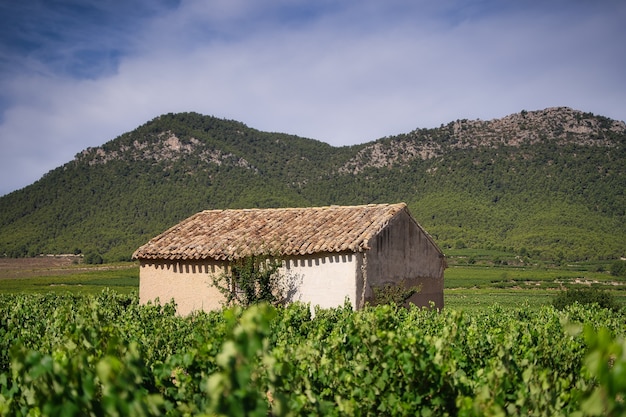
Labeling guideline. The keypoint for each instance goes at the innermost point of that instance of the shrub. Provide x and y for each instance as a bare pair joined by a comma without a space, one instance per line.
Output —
93,258
585,296
397,294
618,269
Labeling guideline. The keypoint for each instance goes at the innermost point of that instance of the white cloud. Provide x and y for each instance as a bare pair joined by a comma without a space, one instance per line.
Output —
344,76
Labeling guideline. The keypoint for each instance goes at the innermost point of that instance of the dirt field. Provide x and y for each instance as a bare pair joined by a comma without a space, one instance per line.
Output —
44,266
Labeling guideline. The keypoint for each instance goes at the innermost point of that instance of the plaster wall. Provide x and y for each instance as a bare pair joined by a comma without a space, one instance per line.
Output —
189,284
325,280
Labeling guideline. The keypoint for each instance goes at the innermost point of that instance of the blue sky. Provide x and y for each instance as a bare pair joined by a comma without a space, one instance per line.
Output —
77,73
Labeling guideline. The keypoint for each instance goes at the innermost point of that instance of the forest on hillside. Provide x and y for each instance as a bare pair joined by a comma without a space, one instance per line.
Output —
541,189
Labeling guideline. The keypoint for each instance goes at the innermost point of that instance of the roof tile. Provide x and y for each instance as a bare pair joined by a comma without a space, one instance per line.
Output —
231,234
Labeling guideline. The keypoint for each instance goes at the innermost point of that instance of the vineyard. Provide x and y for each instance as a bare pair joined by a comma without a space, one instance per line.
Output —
104,354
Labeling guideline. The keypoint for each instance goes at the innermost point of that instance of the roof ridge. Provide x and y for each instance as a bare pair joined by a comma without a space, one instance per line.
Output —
307,208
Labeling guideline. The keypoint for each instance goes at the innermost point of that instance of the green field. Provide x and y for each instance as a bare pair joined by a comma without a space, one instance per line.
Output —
476,299
28,276
476,279
468,287
492,278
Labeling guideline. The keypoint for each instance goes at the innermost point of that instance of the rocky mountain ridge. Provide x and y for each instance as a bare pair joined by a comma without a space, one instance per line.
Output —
168,147
561,125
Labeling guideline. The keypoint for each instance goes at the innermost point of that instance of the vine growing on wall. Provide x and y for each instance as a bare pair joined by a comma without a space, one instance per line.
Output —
255,279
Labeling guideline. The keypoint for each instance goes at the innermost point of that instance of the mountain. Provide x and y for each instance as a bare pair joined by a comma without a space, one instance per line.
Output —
547,184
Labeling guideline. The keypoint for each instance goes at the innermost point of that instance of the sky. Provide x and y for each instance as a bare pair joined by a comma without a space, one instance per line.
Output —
78,73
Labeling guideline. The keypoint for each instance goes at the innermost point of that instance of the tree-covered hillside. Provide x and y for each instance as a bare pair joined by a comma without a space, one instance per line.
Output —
547,184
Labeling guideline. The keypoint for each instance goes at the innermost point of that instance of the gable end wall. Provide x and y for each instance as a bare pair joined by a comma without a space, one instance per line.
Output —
403,252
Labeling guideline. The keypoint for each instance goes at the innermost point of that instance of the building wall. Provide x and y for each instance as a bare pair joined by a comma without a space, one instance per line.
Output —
188,283
403,252
325,280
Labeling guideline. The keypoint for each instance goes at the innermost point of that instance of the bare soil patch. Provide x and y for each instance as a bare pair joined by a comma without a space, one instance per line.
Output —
45,265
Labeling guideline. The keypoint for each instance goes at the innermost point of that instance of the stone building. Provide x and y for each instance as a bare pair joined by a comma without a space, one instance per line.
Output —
333,253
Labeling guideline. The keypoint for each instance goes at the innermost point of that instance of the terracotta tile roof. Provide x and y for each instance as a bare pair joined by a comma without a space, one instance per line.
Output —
231,234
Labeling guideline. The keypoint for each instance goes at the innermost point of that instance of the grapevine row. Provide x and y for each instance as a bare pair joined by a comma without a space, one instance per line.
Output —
107,355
